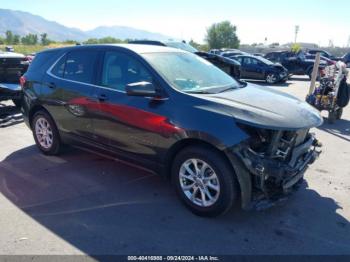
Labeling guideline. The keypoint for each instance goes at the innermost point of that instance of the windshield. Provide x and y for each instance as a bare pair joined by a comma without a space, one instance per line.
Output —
182,46
264,60
190,73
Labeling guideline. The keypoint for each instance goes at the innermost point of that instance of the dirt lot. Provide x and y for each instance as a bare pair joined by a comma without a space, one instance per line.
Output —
81,203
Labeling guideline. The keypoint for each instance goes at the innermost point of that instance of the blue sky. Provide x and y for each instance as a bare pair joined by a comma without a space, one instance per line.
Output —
319,20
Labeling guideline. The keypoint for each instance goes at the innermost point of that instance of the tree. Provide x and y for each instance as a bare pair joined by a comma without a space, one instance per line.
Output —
44,40
30,39
194,44
296,48
2,40
222,35
16,40
9,37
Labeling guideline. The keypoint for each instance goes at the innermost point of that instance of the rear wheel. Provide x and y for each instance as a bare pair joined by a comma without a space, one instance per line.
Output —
204,181
45,133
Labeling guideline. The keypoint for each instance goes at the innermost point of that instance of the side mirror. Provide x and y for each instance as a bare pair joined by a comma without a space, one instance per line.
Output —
144,89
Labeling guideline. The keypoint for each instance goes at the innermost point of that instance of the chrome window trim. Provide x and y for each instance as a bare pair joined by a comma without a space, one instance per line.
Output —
49,72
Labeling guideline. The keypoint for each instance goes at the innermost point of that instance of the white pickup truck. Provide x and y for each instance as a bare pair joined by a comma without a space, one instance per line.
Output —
12,67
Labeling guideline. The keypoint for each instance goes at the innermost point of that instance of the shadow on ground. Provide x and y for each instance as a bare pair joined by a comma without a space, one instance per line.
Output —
9,115
340,129
103,207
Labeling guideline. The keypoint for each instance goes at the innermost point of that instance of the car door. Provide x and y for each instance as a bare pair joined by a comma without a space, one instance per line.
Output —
70,84
126,124
252,69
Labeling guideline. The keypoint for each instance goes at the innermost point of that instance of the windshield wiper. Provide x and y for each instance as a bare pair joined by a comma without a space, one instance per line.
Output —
198,92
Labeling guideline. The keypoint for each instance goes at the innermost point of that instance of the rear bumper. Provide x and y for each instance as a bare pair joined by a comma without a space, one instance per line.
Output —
10,91
272,180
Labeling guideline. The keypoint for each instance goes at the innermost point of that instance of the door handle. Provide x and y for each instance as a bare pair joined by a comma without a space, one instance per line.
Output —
51,85
102,97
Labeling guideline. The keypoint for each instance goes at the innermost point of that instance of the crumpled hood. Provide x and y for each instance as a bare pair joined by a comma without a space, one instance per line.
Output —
266,108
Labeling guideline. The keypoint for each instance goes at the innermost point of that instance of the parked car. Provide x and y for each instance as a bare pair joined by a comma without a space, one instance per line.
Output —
346,59
259,68
323,58
165,109
296,64
231,67
12,67
323,53
233,53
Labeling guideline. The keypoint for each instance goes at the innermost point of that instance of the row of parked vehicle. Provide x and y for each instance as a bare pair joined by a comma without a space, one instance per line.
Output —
301,63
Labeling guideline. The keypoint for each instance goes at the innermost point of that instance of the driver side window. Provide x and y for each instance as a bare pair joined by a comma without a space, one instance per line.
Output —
120,70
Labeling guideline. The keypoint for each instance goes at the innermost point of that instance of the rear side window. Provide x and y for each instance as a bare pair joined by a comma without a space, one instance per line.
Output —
41,61
58,69
78,66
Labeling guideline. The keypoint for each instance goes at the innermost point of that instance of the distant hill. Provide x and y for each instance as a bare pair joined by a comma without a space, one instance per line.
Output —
23,23
124,32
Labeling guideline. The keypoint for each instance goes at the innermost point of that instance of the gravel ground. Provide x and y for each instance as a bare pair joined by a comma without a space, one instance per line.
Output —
80,203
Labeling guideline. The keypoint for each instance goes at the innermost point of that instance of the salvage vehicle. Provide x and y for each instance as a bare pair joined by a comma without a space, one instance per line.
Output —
233,53
12,67
229,66
297,64
322,58
259,68
323,53
170,111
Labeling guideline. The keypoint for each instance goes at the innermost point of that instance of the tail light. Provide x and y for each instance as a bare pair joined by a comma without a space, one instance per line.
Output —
22,81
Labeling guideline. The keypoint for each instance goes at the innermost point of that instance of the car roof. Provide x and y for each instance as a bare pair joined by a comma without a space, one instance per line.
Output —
136,48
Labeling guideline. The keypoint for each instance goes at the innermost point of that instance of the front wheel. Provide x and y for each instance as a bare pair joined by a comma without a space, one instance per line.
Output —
271,78
204,181
45,133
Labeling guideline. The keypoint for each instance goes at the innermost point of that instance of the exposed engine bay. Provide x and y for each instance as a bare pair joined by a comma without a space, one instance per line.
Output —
277,159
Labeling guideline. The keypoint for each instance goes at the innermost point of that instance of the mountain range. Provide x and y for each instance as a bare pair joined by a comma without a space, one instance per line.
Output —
23,23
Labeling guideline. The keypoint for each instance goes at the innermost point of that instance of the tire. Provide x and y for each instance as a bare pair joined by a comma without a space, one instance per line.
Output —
271,78
42,122
225,181
17,102
332,116
339,113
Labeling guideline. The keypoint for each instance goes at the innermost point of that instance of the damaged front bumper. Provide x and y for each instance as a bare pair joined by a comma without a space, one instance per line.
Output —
273,179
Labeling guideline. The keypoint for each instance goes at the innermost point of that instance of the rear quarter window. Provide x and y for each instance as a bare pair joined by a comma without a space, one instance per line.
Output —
42,62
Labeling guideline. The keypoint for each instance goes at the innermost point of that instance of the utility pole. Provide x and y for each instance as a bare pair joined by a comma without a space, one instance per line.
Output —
348,44
296,33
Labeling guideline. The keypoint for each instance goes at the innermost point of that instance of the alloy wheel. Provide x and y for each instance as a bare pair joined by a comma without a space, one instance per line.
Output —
271,78
199,182
43,133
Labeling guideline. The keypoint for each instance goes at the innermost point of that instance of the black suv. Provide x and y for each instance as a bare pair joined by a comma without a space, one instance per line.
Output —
297,64
12,67
174,113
